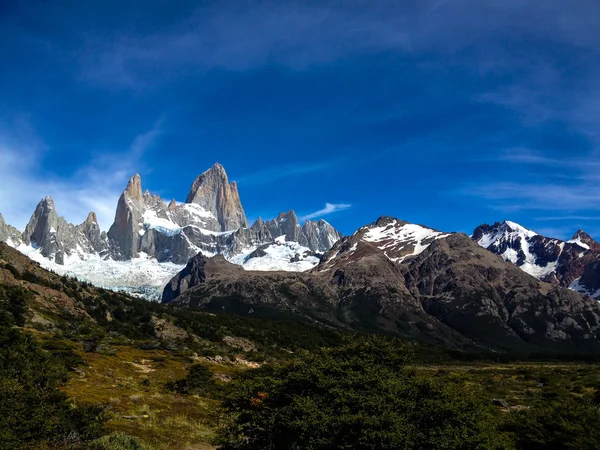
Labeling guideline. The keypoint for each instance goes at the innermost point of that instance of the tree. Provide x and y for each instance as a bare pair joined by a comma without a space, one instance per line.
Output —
199,381
34,413
360,396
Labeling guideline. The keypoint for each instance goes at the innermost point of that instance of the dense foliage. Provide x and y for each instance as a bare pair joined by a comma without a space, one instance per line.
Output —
361,396
565,424
34,413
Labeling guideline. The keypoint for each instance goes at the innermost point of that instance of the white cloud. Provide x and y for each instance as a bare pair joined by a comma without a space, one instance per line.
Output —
94,187
330,208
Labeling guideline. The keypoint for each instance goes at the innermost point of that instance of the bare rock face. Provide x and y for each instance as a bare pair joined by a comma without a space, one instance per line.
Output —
9,233
480,295
125,231
286,224
591,278
213,192
319,236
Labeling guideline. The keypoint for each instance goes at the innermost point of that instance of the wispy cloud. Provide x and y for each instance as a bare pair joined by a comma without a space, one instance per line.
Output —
330,208
94,187
514,196
525,156
239,36
569,218
245,35
562,183
277,173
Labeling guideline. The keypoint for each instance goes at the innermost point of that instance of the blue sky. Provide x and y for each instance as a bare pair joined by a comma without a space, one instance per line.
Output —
446,113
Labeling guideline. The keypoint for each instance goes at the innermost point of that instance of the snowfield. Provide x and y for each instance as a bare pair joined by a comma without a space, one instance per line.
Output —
395,237
141,276
146,277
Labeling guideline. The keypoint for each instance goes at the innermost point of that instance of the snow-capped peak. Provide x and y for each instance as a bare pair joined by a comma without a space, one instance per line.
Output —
488,235
514,226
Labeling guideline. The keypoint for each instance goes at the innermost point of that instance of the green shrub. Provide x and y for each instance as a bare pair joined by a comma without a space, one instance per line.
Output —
118,441
198,381
567,424
361,396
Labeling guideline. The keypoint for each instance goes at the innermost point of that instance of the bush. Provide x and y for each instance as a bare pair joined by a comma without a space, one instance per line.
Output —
118,441
198,381
361,396
568,424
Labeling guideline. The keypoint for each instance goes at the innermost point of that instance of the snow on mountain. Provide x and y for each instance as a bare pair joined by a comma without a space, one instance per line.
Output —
150,241
578,242
551,260
281,255
151,221
143,276
399,240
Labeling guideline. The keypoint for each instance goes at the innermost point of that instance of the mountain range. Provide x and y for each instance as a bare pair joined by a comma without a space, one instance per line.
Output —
149,240
574,263
503,287
408,280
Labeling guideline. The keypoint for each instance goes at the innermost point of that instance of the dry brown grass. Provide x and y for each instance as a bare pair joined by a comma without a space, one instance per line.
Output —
131,383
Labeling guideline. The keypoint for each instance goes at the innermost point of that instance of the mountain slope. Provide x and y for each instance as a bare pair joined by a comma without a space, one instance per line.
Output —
407,280
552,260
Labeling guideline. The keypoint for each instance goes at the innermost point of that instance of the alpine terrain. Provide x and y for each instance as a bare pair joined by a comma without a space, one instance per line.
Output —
151,240
408,280
574,263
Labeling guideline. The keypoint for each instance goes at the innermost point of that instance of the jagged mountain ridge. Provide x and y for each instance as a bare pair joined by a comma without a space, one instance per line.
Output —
146,229
8,233
558,262
408,280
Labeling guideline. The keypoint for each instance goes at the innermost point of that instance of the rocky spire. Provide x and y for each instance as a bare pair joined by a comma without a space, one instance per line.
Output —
172,205
42,224
134,188
91,220
124,232
9,233
213,192
286,224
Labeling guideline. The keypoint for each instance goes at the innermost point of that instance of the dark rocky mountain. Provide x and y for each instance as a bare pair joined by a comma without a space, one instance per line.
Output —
551,260
407,280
